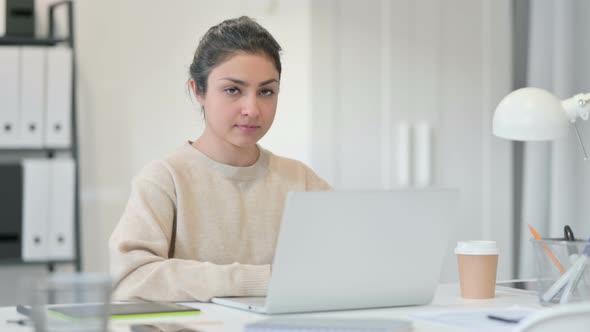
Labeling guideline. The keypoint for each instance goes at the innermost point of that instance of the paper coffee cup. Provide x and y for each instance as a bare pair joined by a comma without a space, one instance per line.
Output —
478,264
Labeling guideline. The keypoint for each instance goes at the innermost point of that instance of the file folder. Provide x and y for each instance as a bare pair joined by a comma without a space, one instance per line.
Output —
36,175
59,98
31,96
61,209
9,67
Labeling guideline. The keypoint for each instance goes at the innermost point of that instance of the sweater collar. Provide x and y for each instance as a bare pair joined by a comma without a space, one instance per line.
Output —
254,171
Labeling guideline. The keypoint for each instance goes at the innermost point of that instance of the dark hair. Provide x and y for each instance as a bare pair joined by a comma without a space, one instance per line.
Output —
224,40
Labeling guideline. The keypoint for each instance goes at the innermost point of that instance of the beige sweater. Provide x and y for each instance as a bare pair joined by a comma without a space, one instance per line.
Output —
227,222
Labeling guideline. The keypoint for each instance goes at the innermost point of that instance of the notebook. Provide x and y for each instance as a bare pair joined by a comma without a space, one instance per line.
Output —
126,310
356,249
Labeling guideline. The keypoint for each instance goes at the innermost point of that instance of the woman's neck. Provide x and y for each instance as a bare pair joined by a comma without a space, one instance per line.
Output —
227,153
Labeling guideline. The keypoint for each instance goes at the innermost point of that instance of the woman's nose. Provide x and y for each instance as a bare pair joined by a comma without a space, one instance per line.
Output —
250,107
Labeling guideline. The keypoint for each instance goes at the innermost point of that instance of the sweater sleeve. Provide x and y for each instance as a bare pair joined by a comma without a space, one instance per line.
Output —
314,182
142,270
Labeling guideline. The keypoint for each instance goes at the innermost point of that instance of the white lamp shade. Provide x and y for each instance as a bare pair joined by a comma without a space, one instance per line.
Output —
530,114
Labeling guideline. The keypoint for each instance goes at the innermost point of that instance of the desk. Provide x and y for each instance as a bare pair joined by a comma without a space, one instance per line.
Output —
447,298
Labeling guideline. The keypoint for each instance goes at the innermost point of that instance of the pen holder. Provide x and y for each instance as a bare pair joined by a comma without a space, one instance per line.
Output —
563,271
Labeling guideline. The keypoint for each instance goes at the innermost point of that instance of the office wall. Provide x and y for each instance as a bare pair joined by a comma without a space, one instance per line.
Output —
379,64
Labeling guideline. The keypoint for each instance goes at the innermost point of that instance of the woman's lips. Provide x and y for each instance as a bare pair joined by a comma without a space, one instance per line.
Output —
248,128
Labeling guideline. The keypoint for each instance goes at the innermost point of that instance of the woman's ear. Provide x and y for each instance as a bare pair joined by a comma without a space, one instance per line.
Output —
194,90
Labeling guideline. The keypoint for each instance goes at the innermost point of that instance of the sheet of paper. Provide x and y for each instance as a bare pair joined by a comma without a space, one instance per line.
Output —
476,319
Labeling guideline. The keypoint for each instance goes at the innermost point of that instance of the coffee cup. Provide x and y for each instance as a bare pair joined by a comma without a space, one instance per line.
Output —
478,265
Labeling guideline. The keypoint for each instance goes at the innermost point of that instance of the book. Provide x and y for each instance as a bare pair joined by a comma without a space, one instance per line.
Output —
329,324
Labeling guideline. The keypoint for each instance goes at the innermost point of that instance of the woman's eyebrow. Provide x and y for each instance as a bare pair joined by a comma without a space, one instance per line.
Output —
272,80
244,83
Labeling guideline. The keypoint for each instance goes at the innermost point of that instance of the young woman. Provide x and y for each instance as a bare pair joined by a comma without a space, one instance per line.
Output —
203,222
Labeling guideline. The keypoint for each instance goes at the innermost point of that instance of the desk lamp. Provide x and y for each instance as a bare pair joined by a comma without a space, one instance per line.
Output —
532,114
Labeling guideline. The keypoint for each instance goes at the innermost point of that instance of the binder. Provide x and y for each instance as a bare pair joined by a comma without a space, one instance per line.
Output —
48,209
36,174
61,209
59,98
31,96
9,66
2,18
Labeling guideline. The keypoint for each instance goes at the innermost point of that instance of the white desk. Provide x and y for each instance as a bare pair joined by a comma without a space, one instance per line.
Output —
447,298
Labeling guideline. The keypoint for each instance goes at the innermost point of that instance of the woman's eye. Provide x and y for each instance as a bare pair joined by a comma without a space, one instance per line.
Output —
266,92
232,90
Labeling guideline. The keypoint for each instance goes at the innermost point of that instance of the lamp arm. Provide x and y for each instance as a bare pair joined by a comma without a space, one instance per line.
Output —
577,106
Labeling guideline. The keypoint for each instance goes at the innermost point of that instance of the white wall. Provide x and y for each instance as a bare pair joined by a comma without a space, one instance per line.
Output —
133,59
380,63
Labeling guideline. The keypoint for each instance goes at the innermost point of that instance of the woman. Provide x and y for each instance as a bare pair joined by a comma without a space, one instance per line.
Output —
203,222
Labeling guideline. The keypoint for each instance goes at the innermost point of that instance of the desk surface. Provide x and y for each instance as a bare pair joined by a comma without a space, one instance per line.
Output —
226,319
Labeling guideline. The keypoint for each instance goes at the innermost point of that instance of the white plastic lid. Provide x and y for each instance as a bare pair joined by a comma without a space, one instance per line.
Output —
476,248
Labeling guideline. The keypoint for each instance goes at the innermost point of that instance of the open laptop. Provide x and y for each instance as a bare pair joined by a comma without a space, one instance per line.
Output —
356,249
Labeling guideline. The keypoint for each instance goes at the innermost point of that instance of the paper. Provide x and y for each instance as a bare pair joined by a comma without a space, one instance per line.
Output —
476,319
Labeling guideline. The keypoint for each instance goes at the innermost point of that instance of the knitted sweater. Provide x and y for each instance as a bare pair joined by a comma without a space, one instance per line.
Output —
194,228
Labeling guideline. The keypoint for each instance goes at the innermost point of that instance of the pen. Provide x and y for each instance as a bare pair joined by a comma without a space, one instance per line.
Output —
568,234
547,250
559,284
18,321
505,320
578,268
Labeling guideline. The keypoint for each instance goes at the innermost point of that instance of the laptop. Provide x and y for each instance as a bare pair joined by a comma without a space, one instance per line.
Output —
344,250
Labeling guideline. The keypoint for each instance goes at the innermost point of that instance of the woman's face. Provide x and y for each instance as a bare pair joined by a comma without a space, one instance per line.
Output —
241,99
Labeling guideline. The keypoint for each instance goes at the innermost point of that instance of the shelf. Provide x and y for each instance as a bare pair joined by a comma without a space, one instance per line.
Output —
28,41
5,149
16,261
10,155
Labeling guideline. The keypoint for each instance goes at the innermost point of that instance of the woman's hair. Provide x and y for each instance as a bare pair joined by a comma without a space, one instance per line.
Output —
238,35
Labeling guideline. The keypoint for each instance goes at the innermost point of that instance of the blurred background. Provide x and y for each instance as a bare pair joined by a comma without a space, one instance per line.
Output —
375,94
